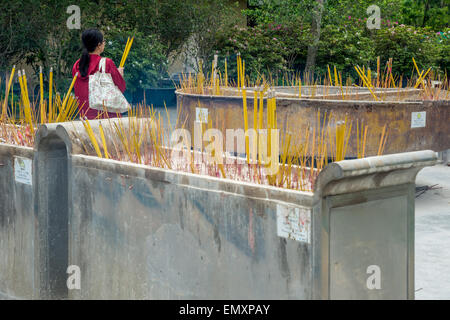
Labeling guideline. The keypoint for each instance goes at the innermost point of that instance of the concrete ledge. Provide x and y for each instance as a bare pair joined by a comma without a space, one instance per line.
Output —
349,176
444,156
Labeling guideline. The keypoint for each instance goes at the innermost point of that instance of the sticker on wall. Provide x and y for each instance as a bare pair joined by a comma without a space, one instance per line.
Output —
294,223
201,115
418,119
23,170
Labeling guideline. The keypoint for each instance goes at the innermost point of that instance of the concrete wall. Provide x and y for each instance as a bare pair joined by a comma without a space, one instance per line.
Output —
298,114
138,232
51,208
17,228
144,233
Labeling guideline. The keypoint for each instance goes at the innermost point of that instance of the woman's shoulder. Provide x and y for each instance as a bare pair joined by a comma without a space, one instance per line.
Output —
110,62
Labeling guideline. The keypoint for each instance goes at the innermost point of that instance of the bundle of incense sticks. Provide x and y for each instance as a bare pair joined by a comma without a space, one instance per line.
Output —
19,125
240,71
67,105
366,80
126,51
142,141
28,112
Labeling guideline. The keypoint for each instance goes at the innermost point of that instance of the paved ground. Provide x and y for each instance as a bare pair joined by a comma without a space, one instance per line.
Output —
433,235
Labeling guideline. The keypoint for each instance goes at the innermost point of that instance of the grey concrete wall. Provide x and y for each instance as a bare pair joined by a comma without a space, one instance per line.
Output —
138,232
17,228
366,221
145,233
51,208
192,237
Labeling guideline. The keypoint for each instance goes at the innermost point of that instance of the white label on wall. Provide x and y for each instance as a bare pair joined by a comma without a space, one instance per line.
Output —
418,119
23,170
294,223
201,115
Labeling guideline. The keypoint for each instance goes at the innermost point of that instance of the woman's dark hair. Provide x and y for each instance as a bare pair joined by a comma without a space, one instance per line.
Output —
90,39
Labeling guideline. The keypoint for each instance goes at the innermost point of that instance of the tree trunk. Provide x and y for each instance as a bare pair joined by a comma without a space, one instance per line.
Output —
425,13
315,31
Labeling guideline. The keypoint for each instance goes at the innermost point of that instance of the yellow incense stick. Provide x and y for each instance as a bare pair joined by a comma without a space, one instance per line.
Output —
300,87
226,74
421,77
261,108
26,102
362,76
91,135
335,77
25,86
5,103
269,122
128,51
42,107
378,71
329,75
340,84
238,71
243,74
274,111
255,110
50,96
63,113
21,86
125,53
102,135
244,100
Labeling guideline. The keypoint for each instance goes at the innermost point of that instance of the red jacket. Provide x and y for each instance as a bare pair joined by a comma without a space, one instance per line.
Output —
81,86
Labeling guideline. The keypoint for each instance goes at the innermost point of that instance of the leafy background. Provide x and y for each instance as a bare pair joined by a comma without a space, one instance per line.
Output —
273,36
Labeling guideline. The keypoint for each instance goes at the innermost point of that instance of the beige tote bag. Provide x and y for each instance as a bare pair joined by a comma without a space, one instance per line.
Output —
104,93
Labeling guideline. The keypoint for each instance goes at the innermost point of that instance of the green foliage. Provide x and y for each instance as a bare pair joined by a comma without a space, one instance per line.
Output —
266,49
35,32
345,40
344,46
264,12
403,43
253,44
146,63
209,17
353,44
443,44
431,13
338,11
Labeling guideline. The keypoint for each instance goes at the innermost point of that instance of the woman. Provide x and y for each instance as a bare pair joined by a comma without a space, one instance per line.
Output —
93,47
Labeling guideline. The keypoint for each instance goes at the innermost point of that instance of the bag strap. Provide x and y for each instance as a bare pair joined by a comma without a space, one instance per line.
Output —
101,65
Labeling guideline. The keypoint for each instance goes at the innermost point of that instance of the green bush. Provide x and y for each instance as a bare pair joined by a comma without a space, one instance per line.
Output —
344,46
443,44
267,49
351,43
402,43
